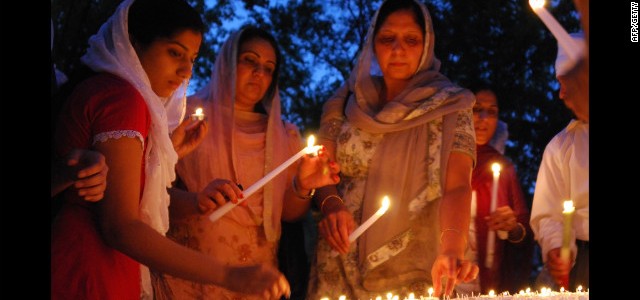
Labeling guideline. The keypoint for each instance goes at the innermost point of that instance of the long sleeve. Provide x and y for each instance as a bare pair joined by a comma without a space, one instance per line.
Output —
563,175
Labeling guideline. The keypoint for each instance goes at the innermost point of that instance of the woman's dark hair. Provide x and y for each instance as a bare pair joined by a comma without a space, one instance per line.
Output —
250,32
153,19
391,6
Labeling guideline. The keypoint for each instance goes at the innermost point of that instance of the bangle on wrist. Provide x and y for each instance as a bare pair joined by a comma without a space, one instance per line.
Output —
327,198
524,233
297,192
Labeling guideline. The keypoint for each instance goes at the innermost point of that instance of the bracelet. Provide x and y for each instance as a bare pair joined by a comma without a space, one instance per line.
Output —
442,232
524,233
327,198
297,192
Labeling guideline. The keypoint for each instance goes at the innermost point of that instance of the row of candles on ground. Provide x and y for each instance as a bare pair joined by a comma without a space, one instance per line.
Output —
544,292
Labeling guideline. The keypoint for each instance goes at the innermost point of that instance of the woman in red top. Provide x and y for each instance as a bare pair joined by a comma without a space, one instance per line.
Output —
510,265
130,111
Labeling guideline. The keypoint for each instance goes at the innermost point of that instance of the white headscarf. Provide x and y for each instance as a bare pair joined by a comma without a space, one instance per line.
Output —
110,50
564,63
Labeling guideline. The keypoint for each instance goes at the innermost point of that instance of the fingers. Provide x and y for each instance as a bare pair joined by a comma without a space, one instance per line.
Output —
279,289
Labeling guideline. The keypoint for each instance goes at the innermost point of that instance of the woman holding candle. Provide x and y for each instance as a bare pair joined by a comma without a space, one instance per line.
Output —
142,58
248,140
400,128
512,256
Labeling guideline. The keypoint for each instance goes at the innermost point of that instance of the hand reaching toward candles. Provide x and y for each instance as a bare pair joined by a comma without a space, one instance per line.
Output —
454,270
262,280
188,135
217,193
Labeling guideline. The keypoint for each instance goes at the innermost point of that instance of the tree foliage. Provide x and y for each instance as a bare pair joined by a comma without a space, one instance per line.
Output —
501,44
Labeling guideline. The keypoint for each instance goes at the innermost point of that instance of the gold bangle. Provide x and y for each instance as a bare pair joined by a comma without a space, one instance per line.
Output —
325,200
524,233
297,192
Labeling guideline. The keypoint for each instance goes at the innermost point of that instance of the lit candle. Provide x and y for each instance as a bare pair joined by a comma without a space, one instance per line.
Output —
564,39
310,149
198,115
567,213
342,297
492,294
491,235
360,230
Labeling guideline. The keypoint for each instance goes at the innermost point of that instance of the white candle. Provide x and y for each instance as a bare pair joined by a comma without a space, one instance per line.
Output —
360,230
310,149
491,235
567,214
198,115
564,39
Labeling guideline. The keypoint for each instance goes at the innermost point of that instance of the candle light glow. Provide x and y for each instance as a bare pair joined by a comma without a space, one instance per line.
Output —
198,115
311,149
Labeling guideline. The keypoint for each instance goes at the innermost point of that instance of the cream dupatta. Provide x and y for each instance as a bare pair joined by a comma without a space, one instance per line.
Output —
216,155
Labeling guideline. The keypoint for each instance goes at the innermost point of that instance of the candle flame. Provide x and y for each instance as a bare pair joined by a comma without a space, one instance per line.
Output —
412,296
430,291
568,206
385,205
311,147
561,289
495,167
579,289
528,290
199,111
492,293
535,4
342,297
311,141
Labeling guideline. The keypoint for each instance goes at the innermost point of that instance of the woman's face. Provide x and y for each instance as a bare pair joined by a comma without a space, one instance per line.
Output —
485,116
169,62
398,45
256,64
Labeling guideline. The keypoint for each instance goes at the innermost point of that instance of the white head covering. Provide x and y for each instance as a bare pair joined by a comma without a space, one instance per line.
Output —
564,63
110,50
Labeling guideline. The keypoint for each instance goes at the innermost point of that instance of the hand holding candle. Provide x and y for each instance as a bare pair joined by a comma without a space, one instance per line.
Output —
360,230
310,149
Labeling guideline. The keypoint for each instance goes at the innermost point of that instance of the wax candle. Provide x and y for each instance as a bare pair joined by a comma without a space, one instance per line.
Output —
495,167
198,115
567,226
491,235
564,39
360,230
310,149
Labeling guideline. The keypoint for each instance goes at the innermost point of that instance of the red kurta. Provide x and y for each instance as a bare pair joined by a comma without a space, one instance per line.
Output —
82,265
512,262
